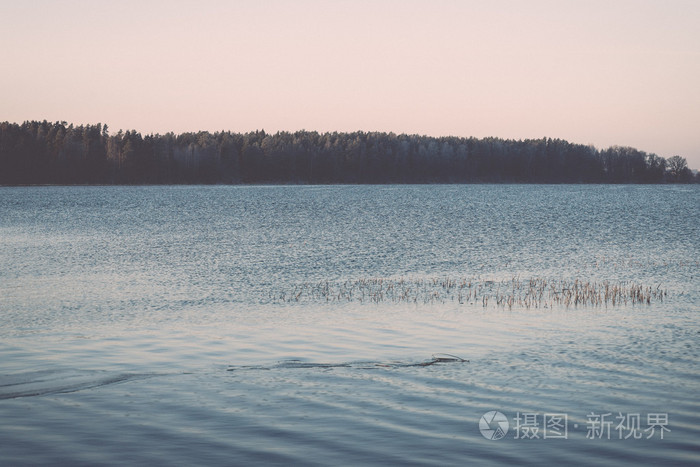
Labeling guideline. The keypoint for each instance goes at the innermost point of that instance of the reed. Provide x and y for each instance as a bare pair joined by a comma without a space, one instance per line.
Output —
534,292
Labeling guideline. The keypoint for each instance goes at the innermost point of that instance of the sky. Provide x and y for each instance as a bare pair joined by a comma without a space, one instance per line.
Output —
610,72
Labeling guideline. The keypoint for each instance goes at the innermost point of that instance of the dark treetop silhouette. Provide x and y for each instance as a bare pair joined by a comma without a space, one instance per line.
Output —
58,153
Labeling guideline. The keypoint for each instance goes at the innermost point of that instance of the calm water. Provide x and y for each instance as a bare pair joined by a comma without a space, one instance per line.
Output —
162,325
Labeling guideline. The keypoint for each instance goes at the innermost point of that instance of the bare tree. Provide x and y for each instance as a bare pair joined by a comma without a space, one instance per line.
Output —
678,169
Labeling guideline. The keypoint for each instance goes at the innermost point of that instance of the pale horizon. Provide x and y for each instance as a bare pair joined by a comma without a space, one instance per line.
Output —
605,73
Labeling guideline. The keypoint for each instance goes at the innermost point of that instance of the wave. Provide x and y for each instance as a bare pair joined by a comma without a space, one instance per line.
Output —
364,365
45,382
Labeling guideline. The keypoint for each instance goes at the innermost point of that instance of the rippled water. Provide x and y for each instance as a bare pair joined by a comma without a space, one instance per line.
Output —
160,325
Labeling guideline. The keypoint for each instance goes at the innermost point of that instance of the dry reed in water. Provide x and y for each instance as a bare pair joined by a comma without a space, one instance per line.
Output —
514,292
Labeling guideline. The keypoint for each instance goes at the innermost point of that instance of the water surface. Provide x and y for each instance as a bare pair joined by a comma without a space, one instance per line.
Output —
144,324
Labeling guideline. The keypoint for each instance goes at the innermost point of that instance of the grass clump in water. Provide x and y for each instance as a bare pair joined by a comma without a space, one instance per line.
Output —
531,293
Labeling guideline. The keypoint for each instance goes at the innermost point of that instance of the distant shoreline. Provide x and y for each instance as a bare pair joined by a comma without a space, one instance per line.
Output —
89,185
45,153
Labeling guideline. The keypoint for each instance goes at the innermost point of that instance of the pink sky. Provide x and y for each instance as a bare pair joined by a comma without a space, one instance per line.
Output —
600,72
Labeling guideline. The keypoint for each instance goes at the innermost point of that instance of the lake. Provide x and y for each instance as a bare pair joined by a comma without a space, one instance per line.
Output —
347,325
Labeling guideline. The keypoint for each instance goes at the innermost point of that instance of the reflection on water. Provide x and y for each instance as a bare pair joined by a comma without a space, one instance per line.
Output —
122,308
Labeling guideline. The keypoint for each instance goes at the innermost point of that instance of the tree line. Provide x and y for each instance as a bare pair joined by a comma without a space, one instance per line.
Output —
60,153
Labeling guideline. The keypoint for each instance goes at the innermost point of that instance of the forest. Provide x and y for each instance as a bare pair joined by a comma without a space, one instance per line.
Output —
59,153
